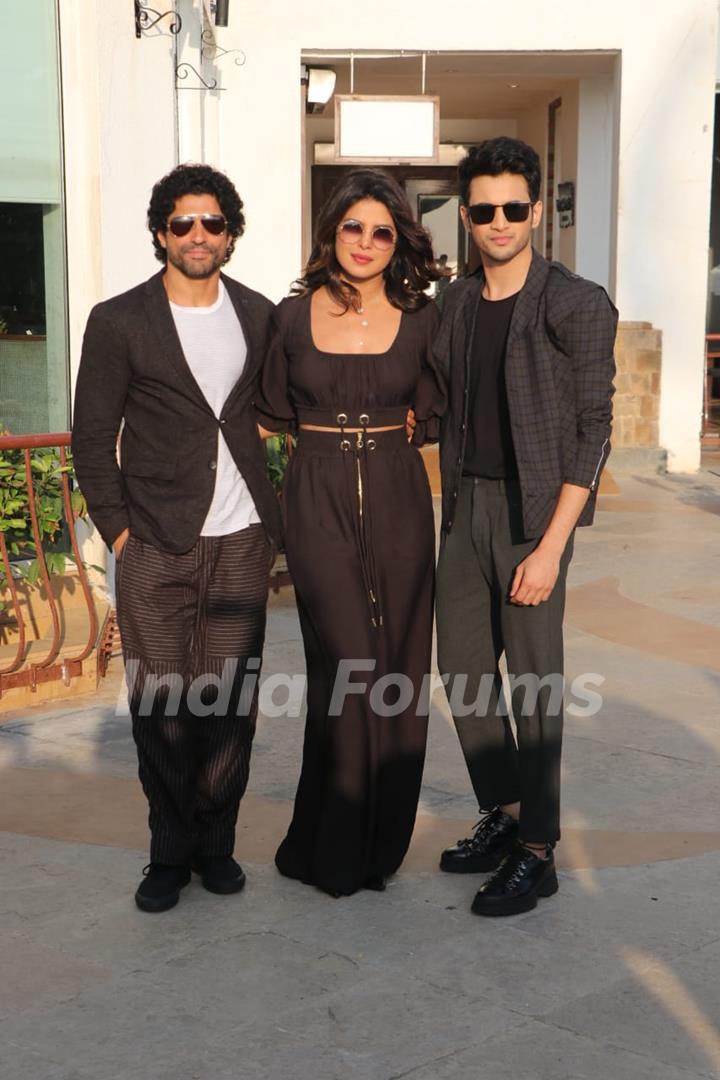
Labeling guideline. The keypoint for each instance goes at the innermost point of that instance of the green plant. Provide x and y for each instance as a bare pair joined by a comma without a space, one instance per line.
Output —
15,520
3,326
277,457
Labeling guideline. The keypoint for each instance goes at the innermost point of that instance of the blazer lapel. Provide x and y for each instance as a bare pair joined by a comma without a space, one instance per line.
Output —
527,301
157,307
249,323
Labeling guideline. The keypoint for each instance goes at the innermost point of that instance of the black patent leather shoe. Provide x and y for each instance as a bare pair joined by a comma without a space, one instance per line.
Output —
160,888
494,837
219,873
515,886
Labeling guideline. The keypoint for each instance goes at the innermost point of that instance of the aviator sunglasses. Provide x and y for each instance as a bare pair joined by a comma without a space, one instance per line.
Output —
351,232
483,213
212,223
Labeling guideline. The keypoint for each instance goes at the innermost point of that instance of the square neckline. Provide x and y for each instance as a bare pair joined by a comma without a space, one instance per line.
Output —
325,352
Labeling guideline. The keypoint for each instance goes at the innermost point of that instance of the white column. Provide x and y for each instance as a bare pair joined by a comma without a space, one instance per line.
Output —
594,192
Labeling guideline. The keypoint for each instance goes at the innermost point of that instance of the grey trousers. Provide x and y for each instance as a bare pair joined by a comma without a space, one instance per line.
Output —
192,629
476,624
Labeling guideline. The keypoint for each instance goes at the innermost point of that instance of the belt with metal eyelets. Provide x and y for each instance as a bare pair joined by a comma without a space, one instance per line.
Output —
355,446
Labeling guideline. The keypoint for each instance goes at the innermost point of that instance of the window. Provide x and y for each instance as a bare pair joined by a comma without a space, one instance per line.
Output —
33,315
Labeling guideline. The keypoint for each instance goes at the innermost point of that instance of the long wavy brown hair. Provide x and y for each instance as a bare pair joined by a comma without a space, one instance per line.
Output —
413,265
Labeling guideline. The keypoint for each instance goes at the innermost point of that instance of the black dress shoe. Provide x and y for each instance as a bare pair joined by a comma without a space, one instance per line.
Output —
516,885
494,837
219,873
160,889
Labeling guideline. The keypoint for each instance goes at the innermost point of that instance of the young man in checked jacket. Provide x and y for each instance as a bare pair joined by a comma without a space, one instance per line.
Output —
527,348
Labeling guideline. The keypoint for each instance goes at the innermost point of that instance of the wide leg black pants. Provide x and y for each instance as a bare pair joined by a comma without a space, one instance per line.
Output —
476,624
192,628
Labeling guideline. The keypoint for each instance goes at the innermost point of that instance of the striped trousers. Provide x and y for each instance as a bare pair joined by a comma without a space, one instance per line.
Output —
192,628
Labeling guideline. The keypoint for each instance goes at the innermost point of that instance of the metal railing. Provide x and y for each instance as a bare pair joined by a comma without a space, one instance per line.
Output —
21,669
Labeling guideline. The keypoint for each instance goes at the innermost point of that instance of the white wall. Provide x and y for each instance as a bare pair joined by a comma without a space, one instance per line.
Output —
594,211
665,143
120,91
119,122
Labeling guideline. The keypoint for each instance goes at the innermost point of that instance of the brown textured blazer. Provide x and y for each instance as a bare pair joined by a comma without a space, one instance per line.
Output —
133,372
559,370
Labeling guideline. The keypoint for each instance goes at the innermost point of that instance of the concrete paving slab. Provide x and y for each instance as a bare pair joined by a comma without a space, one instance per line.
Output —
542,1051
663,1010
615,978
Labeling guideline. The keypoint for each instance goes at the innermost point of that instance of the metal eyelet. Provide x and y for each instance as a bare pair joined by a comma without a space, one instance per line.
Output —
342,418
371,444
364,419
345,445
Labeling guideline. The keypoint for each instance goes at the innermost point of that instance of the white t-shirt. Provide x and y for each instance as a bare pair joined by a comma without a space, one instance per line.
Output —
215,349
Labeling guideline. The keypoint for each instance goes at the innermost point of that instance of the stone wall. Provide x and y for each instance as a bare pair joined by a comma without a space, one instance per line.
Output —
636,405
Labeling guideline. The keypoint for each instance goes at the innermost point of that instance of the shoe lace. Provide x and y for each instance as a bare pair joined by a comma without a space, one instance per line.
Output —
513,866
478,828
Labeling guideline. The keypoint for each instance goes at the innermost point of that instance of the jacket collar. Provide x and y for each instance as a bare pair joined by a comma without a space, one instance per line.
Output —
528,296
162,323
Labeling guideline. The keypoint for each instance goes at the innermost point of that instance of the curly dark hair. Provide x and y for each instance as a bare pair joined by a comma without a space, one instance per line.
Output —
500,155
413,264
194,180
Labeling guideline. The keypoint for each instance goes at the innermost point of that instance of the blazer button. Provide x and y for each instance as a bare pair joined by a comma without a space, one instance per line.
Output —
223,420
213,465
459,461
462,427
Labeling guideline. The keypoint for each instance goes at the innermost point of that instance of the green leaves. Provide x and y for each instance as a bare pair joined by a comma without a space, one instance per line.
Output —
276,459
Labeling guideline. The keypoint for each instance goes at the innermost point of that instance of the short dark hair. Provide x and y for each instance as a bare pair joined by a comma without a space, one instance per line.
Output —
194,180
412,266
496,156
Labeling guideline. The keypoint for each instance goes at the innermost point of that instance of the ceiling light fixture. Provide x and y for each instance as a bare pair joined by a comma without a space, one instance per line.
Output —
320,84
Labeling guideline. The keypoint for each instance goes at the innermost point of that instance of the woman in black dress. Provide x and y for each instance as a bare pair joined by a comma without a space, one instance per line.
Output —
353,354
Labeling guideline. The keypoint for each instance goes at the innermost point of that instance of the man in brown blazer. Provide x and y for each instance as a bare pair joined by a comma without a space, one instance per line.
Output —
191,517
527,348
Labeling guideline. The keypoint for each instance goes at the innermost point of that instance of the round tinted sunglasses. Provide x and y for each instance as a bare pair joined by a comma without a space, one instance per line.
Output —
483,213
351,232
212,223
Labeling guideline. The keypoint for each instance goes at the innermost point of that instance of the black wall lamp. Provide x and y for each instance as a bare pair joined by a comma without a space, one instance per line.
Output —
221,9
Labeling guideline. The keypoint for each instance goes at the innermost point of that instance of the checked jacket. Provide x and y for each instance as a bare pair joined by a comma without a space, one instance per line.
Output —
559,370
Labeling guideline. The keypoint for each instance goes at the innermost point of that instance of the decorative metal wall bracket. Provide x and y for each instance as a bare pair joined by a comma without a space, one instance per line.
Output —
212,51
146,18
182,72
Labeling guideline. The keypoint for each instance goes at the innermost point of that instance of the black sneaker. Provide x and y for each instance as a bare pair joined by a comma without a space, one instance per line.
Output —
219,873
515,887
494,837
160,889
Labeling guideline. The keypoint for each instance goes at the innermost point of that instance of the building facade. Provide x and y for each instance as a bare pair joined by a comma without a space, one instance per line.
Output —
618,99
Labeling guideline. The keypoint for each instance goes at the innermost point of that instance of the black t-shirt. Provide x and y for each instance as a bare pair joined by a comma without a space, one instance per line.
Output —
489,446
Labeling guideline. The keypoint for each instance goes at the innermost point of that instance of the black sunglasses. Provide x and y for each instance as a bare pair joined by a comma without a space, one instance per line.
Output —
212,223
483,213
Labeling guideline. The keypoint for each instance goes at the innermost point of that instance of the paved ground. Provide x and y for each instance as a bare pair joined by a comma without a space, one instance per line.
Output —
616,978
